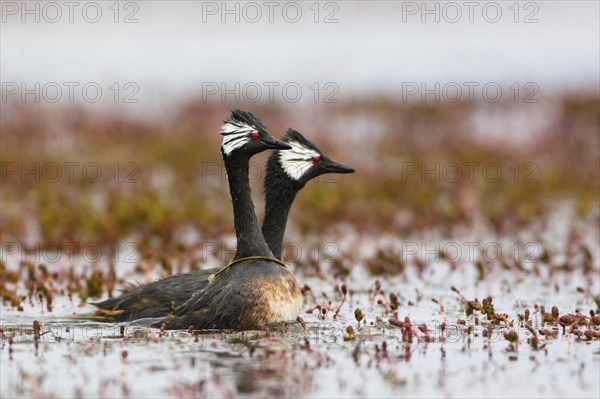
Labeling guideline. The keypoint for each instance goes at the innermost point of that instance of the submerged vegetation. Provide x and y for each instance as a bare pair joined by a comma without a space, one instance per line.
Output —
81,183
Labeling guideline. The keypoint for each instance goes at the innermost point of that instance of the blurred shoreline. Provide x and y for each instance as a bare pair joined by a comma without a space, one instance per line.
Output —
419,165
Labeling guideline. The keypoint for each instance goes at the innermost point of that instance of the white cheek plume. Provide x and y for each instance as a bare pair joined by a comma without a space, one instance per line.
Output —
297,161
235,135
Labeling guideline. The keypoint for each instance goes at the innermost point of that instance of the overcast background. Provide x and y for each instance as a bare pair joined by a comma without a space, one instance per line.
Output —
176,49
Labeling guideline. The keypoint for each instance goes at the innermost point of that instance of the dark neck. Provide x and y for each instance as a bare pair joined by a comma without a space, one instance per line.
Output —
250,241
280,192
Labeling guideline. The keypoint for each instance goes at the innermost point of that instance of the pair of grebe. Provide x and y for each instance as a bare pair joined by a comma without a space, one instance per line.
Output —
255,289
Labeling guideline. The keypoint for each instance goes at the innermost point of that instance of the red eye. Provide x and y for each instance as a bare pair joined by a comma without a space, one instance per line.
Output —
316,159
255,136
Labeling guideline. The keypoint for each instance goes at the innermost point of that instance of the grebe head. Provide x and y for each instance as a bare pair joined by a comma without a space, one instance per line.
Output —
244,133
305,161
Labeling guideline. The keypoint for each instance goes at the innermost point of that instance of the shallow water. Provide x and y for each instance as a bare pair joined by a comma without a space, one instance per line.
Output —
82,358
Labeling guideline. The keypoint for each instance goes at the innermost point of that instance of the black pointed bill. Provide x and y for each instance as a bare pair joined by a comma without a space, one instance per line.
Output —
273,143
334,167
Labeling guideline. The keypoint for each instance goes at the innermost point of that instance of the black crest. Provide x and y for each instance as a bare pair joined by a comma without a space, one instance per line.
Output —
293,135
238,116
